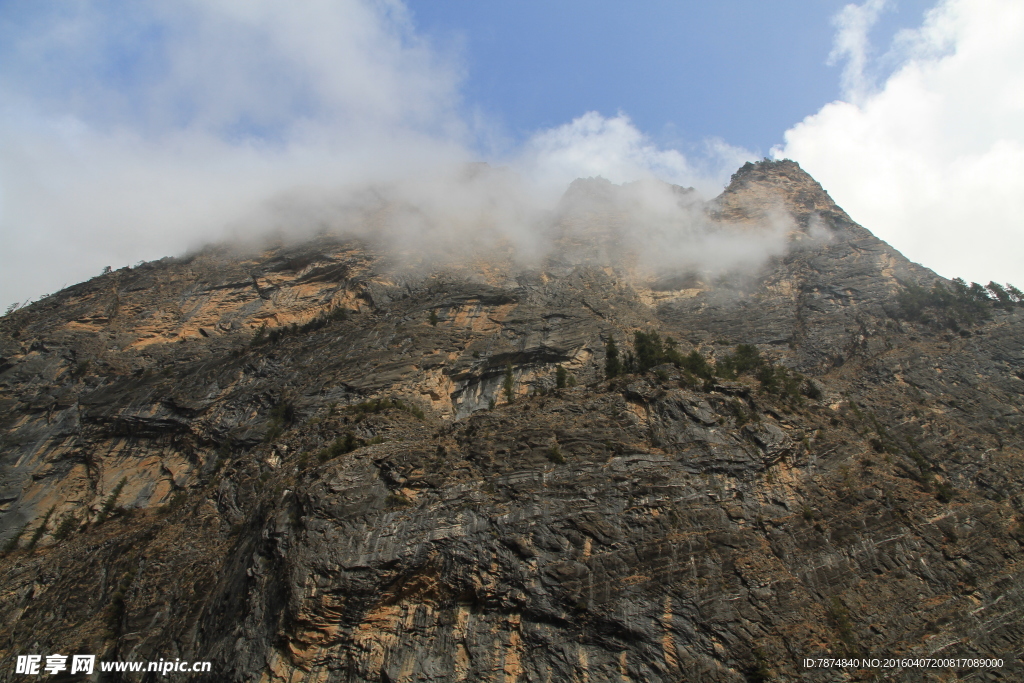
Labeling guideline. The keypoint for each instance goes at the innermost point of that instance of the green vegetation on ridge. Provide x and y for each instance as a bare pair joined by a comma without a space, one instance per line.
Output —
650,351
957,306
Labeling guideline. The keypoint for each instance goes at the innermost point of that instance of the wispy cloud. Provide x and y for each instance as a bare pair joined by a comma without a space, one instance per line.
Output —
852,46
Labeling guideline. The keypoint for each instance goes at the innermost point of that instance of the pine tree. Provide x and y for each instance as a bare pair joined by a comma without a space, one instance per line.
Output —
68,525
1003,298
41,529
649,350
561,377
12,542
1015,294
509,385
612,365
260,336
111,501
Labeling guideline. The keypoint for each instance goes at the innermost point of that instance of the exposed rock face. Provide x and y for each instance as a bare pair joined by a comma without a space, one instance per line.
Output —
639,529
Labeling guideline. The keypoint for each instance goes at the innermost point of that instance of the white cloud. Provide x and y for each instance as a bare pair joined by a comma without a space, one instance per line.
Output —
131,132
933,161
135,134
613,148
853,23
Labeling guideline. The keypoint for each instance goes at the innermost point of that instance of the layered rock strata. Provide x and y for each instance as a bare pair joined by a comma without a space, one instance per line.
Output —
324,478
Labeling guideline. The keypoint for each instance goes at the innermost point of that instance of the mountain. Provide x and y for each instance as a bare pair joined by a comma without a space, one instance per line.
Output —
316,462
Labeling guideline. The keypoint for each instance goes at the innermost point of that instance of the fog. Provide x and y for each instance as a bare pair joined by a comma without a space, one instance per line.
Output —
130,135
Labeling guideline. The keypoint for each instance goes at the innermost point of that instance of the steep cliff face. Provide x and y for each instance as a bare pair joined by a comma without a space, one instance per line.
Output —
319,475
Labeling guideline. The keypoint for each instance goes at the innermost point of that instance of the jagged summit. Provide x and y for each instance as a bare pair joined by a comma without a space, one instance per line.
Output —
783,175
758,187
310,463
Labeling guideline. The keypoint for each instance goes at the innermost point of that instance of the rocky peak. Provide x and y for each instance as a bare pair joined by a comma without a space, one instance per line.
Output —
758,188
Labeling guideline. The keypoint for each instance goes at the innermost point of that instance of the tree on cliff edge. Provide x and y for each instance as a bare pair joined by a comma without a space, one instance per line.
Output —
509,384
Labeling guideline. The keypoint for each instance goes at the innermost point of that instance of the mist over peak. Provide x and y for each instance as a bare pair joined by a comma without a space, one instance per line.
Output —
131,136
468,212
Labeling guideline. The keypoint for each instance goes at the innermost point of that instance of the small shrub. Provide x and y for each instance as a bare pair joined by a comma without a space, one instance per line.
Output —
223,455
812,390
283,412
340,446
738,412
759,671
945,493
281,417
555,455
398,500
177,500
923,465
380,405
846,476
80,369
348,444
840,617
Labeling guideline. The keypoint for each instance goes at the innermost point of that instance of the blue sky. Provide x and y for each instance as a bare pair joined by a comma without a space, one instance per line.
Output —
683,71
131,131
